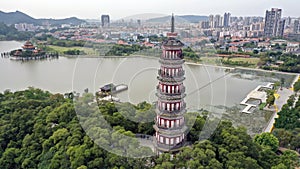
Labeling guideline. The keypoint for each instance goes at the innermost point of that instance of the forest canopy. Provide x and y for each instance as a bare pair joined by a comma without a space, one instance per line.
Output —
41,130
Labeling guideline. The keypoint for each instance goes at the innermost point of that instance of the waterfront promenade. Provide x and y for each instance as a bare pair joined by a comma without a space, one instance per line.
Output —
283,96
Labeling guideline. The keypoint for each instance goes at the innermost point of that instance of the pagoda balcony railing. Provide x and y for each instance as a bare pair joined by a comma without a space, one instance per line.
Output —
165,74
171,62
172,112
167,129
177,57
171,79
169,97
168,147
174,92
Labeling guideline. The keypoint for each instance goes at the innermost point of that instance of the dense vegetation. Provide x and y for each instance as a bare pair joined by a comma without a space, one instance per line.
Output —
287,125
188,53
41,130
74,52
11,33
124,50
65,43
291,62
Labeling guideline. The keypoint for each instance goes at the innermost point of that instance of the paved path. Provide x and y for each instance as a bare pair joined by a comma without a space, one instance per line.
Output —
284,95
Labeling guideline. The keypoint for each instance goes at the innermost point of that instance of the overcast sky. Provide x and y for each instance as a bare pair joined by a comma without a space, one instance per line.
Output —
92,9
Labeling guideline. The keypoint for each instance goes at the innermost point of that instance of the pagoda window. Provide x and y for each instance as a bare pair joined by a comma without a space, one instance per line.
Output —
167,141
168,106
161,139
172,123
177,140
162,122
177,123
171,141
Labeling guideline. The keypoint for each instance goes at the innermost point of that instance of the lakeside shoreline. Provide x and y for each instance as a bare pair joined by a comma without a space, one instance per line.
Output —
187,63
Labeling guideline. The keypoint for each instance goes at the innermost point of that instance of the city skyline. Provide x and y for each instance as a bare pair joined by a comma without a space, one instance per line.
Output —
93,9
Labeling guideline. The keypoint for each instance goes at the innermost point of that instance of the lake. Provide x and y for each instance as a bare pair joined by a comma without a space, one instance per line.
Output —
205,85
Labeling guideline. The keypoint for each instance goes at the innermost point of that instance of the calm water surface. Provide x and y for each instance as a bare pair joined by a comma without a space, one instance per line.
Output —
76,74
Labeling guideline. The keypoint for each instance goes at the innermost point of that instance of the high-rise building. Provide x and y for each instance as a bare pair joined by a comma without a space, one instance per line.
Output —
204,24
170,124
105,20
226,19
296,27
280,28
289,21
211,21
273,23
217,21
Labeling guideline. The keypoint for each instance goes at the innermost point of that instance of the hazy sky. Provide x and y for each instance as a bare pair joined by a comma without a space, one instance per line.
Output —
92,9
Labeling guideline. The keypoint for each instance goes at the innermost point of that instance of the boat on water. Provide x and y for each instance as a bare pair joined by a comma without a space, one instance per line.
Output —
107,91
113,89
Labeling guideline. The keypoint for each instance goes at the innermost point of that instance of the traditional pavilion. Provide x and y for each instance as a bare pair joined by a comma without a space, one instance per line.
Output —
28,46
29,52
170,125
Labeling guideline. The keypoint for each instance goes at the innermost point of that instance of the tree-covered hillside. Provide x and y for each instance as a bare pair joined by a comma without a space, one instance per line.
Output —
11,33
41,130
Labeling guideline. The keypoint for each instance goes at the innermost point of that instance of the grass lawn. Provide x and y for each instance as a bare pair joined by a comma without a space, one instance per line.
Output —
211,60
61,50
249,60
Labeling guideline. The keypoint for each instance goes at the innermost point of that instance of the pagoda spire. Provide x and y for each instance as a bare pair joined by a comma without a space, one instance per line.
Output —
172,24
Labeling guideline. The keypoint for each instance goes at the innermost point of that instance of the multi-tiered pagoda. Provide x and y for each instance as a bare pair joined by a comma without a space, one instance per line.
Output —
169,122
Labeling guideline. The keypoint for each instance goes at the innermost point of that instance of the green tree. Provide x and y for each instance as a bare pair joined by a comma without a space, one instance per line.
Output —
267,140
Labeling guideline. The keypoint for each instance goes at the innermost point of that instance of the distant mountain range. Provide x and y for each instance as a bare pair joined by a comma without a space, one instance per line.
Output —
19,17
143,16
180,19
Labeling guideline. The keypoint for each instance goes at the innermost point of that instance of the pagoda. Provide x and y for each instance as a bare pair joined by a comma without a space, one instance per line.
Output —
170,124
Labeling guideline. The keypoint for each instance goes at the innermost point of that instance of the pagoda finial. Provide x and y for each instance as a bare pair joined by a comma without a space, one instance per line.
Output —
172,24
